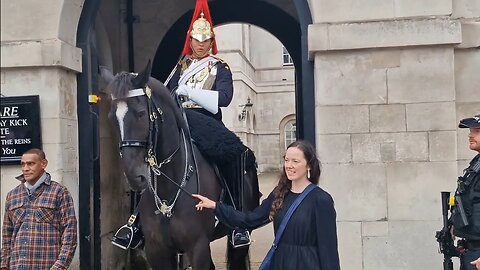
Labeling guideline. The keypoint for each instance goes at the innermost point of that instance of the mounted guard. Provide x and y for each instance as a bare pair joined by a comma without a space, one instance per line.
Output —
204,84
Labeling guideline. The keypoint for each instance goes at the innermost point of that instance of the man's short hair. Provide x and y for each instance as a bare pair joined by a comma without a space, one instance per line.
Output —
36,151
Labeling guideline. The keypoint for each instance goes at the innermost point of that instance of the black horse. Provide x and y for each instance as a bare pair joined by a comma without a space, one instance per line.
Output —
161,162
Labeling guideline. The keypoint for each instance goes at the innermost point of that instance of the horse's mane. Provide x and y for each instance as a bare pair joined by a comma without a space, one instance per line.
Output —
122,83
161,92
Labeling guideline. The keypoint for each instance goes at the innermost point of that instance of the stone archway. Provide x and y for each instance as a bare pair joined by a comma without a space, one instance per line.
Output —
284,24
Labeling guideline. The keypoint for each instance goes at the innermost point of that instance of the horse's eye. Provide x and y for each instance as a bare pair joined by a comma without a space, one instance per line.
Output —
141,113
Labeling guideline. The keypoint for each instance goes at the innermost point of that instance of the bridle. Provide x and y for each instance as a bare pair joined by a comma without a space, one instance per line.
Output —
155,114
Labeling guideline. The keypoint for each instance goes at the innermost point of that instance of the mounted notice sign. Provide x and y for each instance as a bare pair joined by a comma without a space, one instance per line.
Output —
19,127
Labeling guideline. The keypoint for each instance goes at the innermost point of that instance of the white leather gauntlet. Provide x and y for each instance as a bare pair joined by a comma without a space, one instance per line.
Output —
208,99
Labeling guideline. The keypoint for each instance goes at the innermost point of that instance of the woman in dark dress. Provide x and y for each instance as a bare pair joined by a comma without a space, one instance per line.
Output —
310,238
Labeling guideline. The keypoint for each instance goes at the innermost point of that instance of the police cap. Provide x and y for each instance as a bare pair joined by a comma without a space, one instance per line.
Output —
472,122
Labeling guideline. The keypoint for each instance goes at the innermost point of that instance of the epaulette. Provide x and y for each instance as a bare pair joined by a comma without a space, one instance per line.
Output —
221,61
184,63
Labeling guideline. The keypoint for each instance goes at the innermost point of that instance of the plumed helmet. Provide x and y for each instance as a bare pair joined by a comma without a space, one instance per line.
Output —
201,27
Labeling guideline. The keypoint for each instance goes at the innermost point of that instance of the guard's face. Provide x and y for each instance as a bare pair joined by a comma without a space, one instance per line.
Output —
474,139
200,48
295,164
33,167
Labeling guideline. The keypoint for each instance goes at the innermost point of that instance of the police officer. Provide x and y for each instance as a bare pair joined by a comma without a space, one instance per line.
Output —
466,211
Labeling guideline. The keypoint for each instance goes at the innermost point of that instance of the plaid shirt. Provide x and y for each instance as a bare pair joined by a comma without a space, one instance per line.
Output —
39,230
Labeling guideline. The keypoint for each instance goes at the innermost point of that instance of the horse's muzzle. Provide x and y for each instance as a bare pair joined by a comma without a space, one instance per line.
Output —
138,184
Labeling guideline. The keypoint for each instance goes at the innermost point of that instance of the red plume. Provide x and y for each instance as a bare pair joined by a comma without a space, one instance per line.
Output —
201,5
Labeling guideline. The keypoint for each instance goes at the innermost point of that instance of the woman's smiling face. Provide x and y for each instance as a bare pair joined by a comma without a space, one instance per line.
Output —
295,164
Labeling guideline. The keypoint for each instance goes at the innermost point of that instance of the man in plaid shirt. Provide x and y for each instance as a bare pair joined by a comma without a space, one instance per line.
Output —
39,227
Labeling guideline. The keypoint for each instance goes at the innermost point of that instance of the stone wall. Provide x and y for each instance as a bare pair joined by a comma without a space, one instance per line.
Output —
39,57
392,80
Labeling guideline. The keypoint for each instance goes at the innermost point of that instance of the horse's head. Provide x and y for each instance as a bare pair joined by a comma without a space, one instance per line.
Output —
130,116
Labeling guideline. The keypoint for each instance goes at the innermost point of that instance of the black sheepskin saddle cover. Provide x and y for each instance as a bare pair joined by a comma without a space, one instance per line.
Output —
217,143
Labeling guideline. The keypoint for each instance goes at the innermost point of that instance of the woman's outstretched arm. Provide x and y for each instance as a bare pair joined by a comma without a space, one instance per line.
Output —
234,218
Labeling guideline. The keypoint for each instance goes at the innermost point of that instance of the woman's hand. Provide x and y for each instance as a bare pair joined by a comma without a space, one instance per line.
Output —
476,263
204,202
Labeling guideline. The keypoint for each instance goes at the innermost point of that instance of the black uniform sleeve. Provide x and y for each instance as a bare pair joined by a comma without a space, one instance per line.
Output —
223,84
325,216
250,220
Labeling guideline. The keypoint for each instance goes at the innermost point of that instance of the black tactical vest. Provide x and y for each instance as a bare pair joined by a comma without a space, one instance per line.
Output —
468,196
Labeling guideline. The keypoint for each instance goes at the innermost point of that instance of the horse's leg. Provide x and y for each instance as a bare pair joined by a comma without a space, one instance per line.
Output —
200,255
163,263
161,259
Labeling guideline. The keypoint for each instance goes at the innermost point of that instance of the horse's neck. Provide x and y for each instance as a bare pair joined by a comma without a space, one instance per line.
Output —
177,149
174,139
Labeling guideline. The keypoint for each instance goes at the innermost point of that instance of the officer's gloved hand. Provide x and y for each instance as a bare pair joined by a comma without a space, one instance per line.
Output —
188,104
208,99
183,90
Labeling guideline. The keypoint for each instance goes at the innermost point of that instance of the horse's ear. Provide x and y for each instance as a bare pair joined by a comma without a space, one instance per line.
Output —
106,74
142,78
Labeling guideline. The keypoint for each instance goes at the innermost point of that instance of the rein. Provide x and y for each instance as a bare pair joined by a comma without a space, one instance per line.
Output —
163,206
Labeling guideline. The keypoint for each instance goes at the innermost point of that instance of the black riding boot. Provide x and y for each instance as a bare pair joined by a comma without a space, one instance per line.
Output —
128,236
233,173
240,237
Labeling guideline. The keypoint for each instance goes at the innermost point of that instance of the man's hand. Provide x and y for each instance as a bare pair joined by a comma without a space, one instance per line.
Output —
476,263
188,104
208,99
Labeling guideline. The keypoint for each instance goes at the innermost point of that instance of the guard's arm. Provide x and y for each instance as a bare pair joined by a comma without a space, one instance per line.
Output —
224,84
208,99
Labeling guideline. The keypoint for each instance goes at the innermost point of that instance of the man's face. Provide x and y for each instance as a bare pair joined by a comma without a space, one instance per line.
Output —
33,167
474,139
200,49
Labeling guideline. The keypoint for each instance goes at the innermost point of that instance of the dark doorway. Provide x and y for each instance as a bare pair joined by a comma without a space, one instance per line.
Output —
88,142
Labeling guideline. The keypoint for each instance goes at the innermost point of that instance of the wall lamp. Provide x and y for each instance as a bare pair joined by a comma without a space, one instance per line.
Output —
243,115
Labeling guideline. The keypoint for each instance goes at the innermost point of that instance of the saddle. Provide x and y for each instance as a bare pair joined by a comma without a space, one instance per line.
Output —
216,142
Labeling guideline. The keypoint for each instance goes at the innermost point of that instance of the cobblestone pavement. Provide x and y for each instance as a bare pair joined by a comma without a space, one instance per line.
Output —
262,238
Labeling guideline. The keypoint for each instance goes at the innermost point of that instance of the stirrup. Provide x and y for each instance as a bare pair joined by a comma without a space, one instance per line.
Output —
240,238
127,237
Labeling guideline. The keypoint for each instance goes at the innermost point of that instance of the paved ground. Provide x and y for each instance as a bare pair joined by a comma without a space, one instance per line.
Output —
262,238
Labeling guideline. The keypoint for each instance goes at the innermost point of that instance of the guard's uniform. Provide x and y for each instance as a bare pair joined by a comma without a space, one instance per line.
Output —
466,221
214,74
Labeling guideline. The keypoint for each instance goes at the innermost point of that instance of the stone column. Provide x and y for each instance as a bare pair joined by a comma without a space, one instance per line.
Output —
39,57
387,82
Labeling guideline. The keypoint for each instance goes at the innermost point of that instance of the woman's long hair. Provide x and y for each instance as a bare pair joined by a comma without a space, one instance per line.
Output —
284,185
